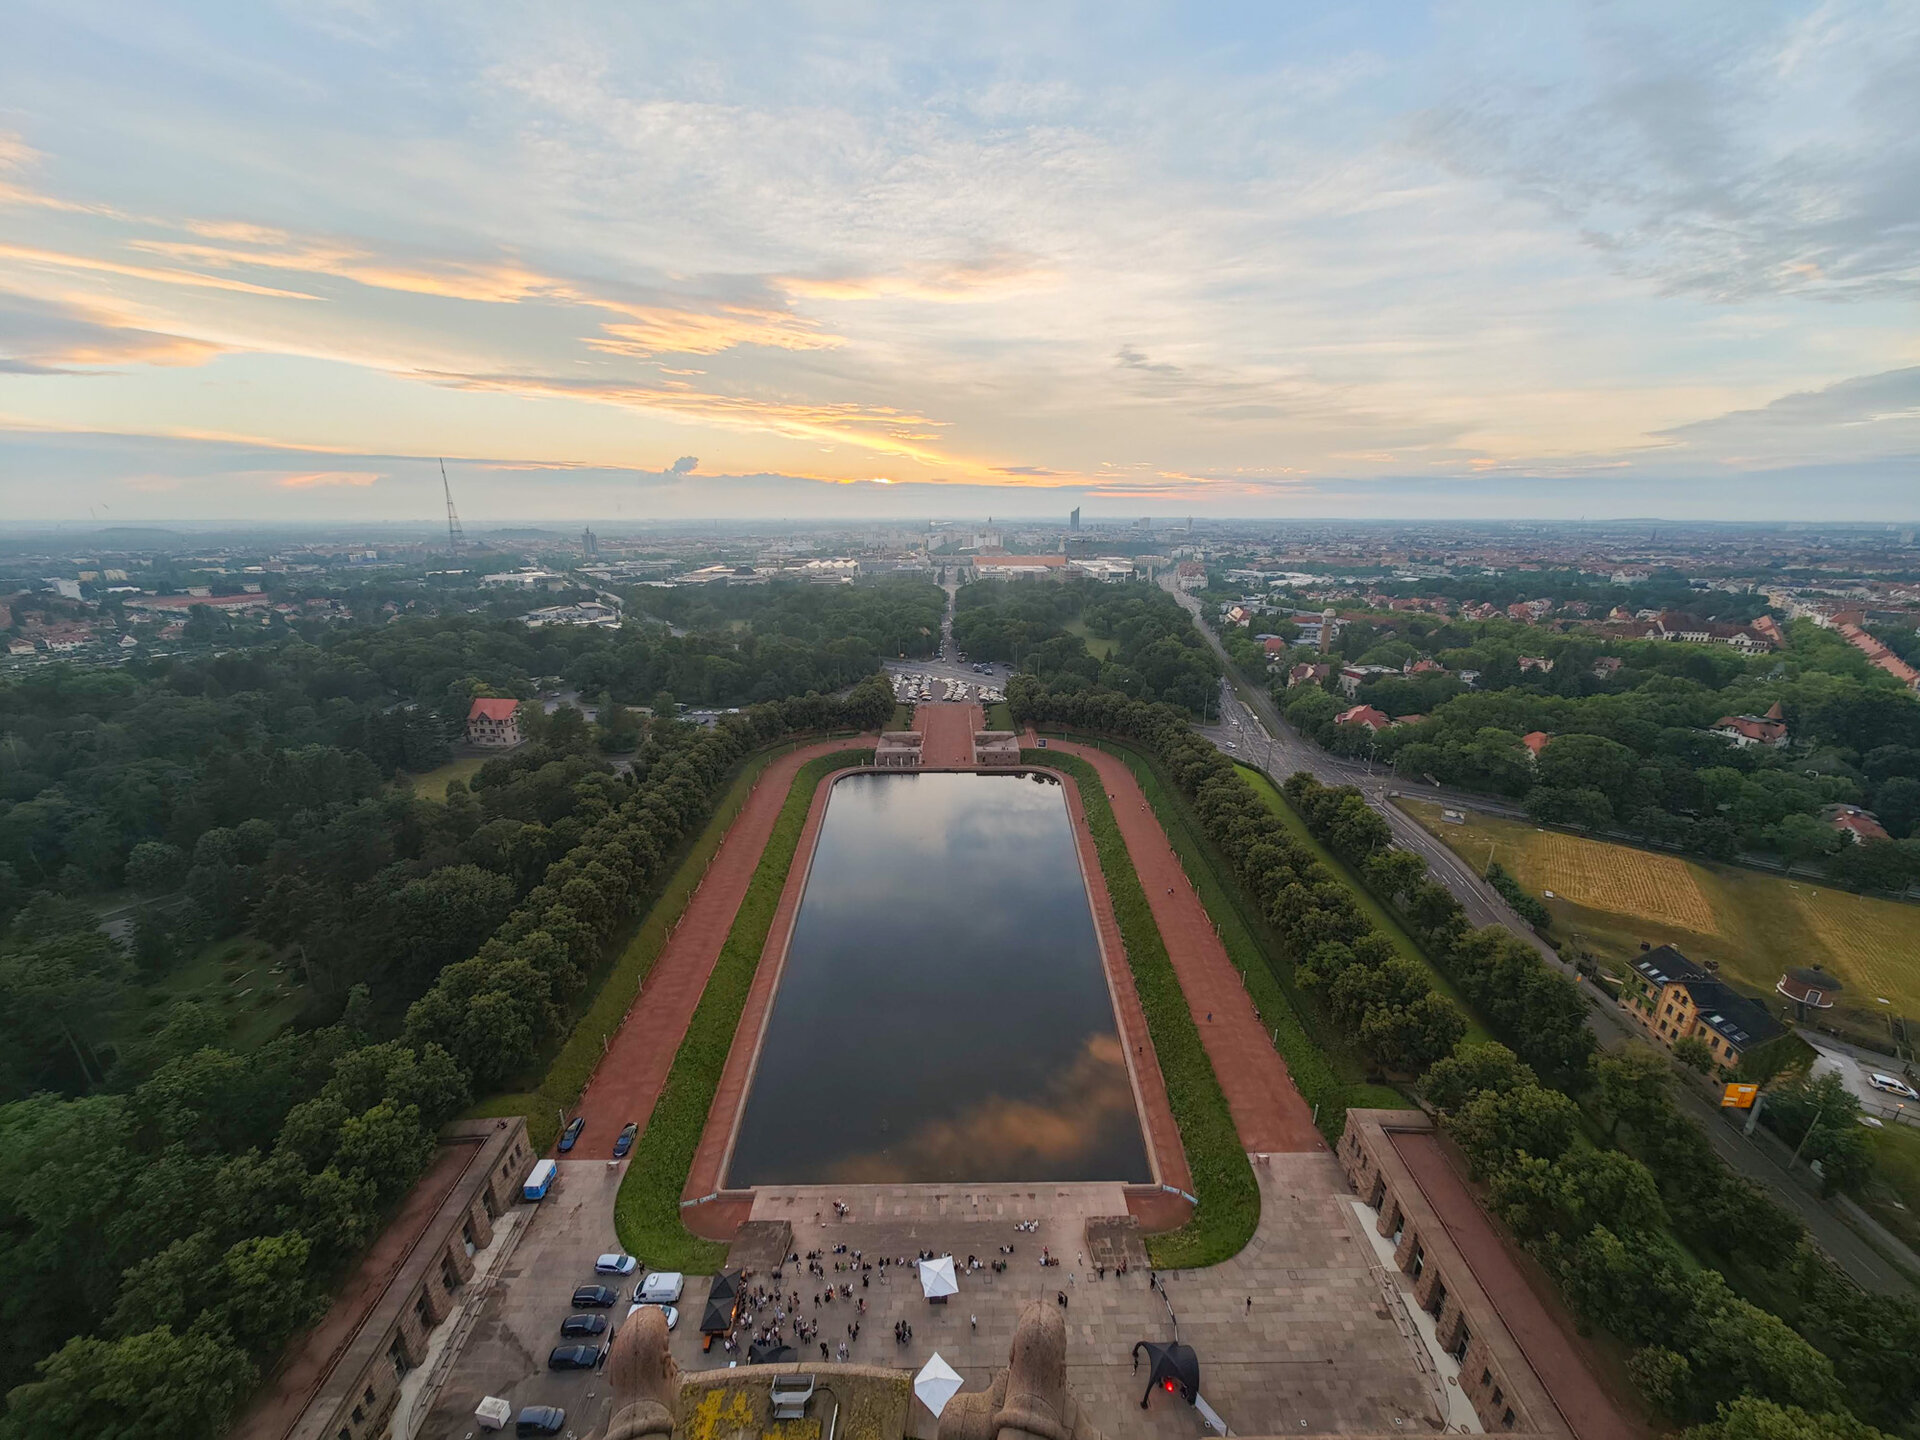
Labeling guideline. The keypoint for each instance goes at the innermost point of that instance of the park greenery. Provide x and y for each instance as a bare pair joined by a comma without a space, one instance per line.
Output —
1151,650
176,1202
1735,1321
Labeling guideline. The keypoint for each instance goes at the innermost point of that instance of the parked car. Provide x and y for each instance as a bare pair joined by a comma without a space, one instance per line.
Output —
614,1264
540,1420
572,1133
579,1327
1893,1086
574,1357
595,1297
660,1288
625,1142
672,1312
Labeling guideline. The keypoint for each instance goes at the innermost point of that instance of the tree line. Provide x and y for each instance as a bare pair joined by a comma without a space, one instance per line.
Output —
1764,1340
168,1231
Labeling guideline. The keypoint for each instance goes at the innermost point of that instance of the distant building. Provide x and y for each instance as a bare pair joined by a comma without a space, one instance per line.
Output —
1307,674
494,723
1607,666
1073,520
1015,567
1679,999
1107,569
1535,741
1191,576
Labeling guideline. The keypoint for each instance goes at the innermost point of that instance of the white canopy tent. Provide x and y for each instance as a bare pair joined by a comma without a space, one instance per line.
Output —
937,1280
936,1383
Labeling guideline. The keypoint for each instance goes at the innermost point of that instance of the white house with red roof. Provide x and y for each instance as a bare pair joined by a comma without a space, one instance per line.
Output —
494,723
1535,741
1854,825
1744,730
1374,720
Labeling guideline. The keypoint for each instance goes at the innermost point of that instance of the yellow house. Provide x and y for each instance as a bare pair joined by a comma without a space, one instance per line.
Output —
1678,999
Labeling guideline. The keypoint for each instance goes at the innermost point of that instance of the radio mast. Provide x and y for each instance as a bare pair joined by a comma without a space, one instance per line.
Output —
456,537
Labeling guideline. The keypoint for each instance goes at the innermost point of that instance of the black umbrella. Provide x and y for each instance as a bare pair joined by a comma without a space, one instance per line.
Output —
765,1352
725,1286
1173,1367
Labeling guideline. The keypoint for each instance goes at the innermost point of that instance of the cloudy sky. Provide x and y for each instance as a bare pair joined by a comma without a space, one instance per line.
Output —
270,260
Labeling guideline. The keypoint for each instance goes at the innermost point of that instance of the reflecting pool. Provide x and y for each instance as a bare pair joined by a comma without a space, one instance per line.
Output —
943,1015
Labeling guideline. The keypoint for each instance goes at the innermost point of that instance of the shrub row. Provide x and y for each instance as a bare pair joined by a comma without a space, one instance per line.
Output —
647,1212
1535,1008
1223,1183
493,1011
1399,1019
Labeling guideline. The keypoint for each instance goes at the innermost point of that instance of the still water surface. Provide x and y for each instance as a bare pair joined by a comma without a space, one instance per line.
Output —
943,1015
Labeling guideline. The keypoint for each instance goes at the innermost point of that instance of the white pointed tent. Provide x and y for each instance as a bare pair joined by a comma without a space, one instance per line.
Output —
937,1279
936,1383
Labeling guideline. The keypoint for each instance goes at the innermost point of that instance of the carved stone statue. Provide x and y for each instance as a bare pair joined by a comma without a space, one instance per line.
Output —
1028,1400
645,1379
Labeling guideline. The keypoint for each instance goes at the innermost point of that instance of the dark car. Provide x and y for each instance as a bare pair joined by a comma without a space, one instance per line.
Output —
571,1134
594,1297
625,1142
578,1327
574,1357
540,1420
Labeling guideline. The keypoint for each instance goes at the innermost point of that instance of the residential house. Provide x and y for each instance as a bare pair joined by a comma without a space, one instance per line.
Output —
1352,677
1744,730
1374,720
1607,666
1880,656
1535,662
494,723
1678,999
1535,741
1307,675
1274,645
1423,666
1192,575
1853,824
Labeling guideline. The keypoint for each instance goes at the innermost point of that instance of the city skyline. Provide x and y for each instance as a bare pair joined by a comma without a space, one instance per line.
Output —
1466,261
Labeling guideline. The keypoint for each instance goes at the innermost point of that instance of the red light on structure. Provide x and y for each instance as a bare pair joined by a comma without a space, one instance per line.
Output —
1170,1386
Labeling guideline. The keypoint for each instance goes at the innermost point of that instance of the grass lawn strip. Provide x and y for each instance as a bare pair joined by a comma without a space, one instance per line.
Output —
1329,1082
573,1065
1229,1207
646,1214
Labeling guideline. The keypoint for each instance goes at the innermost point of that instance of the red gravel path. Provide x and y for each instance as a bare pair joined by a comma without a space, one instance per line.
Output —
1582,1401
634,1070
1267,1109
947,731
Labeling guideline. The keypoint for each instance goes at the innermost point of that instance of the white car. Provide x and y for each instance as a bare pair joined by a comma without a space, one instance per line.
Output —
662,1287
615,1264
1893,1086
672,1314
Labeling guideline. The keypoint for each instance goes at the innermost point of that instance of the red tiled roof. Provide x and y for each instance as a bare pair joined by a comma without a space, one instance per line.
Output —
493,709
1363,715
1535,740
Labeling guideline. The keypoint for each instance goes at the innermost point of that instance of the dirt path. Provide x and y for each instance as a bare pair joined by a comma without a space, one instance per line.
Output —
1267,1109
634,1070
948,730
1554,1355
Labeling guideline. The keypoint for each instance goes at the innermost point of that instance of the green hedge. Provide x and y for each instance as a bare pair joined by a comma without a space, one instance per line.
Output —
646,1214
1229,1207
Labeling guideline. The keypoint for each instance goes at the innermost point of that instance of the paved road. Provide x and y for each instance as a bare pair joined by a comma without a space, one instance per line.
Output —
1262,739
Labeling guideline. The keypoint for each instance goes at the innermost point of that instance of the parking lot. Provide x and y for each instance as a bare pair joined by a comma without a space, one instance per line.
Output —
506,1351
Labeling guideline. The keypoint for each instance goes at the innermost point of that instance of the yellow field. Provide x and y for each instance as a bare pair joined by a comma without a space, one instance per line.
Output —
433,784
1612,899
1870,940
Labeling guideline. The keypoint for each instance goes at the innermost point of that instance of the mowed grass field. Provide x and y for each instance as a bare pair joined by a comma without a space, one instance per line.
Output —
433,784
1610,898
